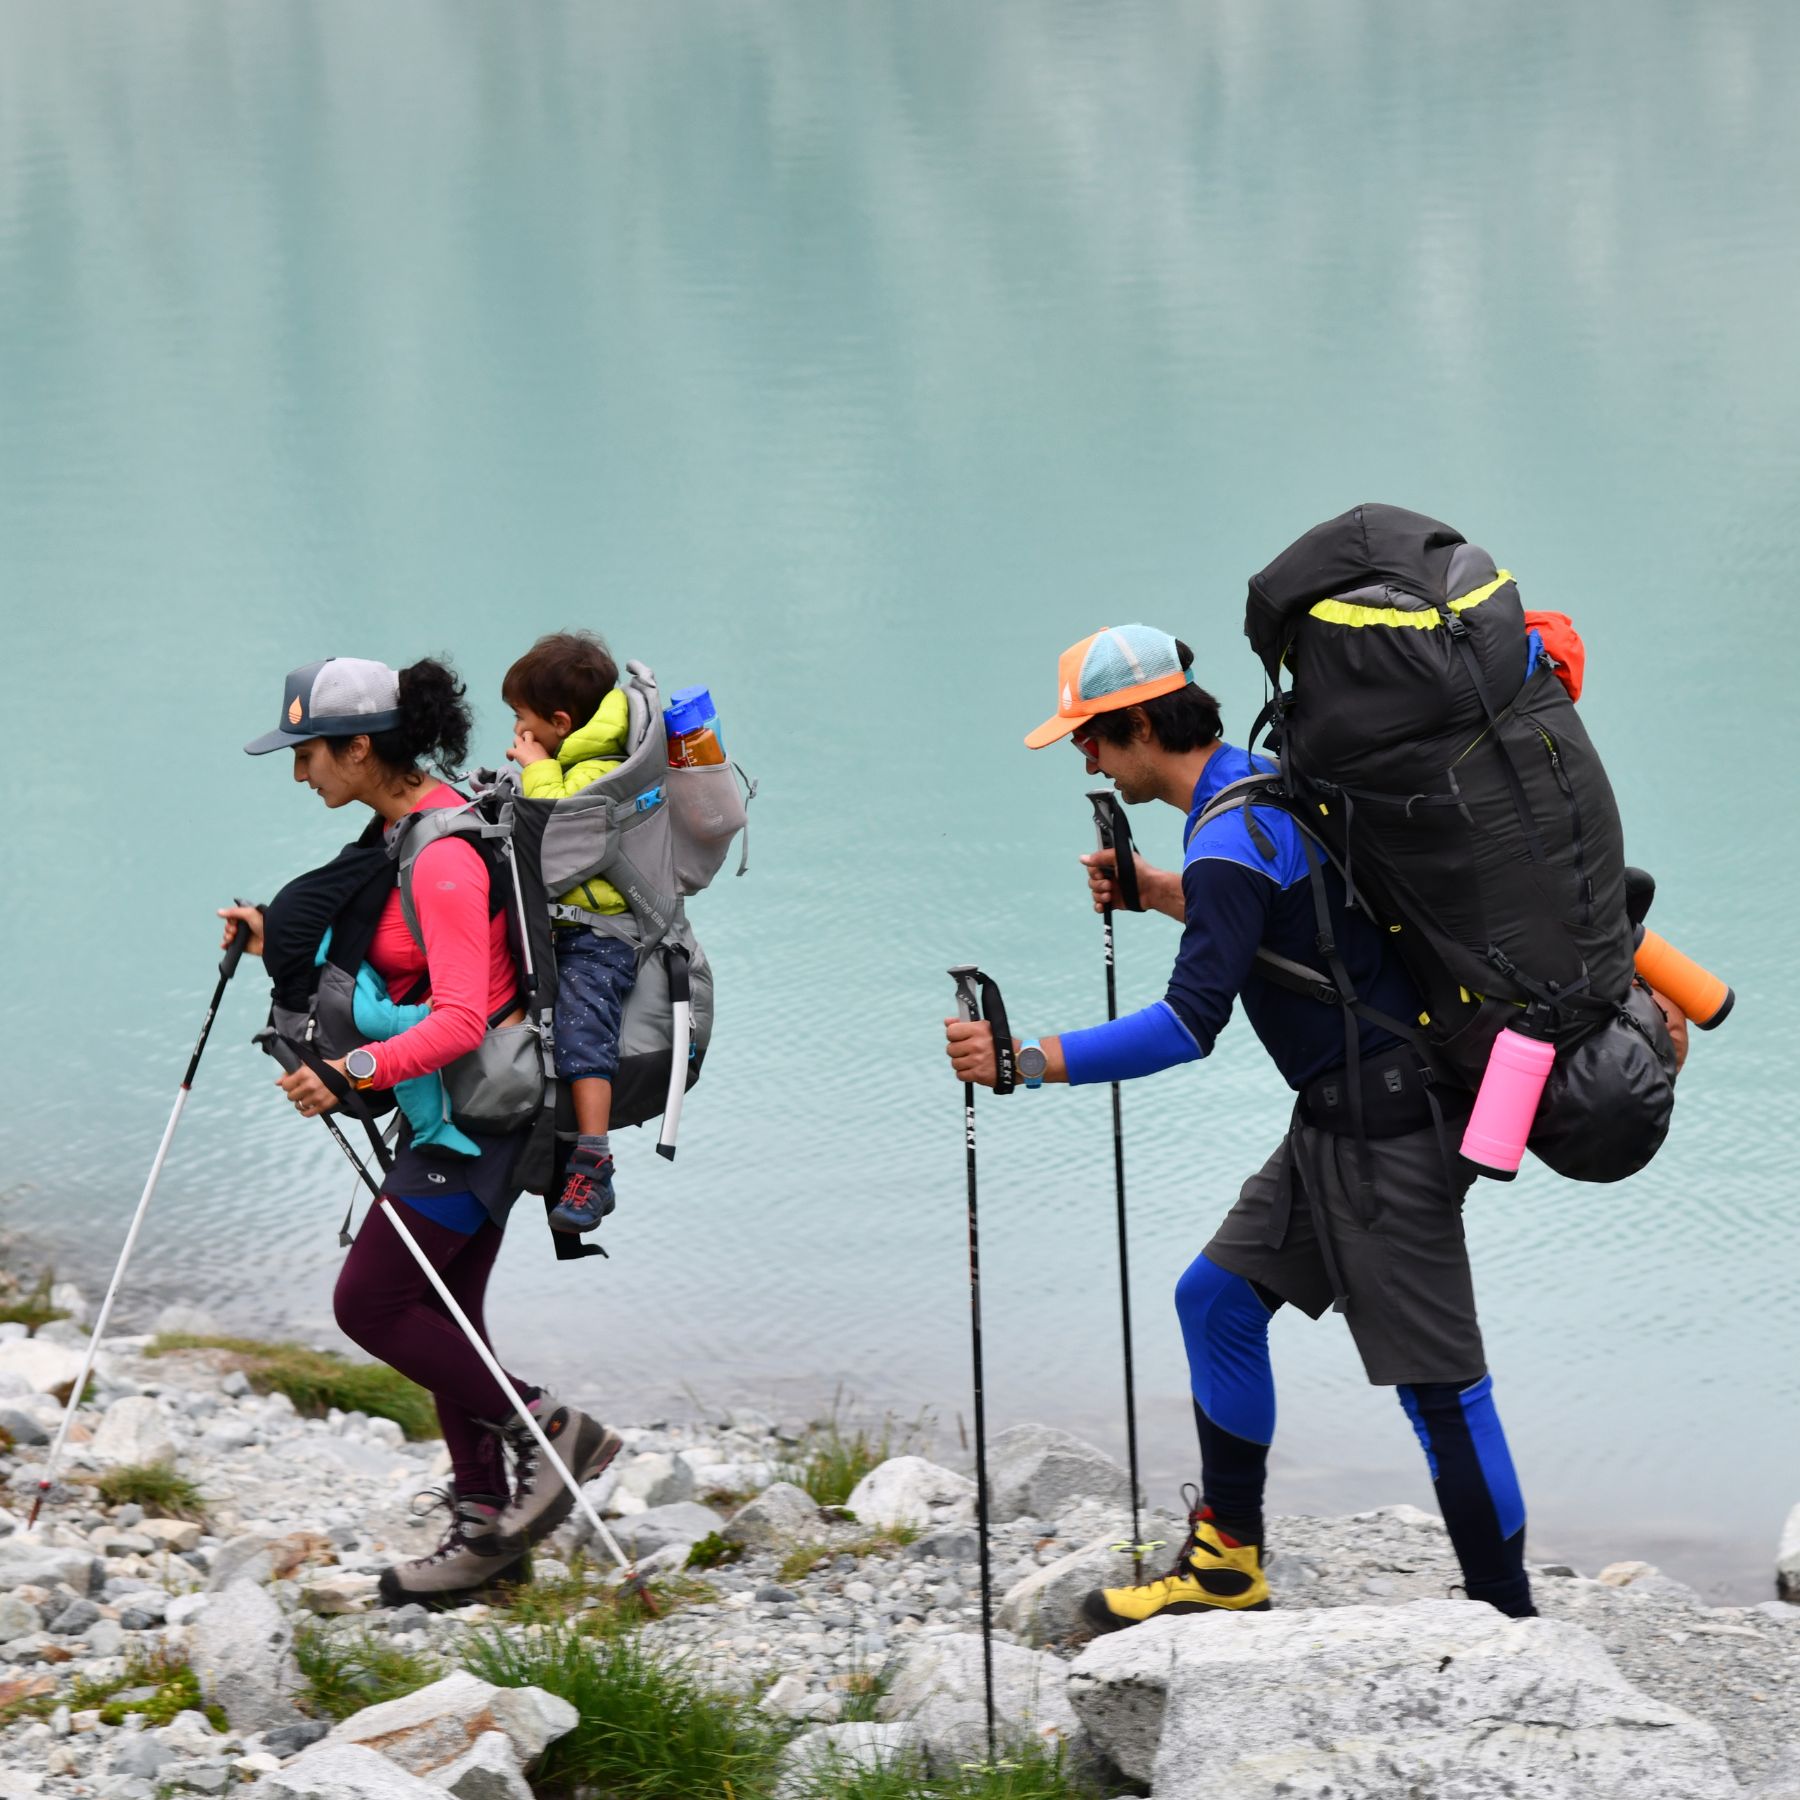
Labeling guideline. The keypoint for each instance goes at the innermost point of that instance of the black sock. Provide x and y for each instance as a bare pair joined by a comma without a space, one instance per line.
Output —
1233,1472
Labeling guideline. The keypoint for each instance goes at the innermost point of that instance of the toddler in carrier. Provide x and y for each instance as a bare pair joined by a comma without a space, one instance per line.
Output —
570,725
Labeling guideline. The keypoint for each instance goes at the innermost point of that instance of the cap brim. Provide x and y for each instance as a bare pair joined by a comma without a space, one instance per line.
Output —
1058,725
276,740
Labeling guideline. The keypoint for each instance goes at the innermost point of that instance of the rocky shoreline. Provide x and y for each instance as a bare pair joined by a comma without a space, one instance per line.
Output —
853,1629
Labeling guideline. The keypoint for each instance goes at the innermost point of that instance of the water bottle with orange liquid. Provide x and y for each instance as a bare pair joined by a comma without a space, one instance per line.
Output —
691,722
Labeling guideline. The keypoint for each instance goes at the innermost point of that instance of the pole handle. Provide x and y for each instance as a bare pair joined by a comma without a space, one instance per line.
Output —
967,977
1112,830
240,941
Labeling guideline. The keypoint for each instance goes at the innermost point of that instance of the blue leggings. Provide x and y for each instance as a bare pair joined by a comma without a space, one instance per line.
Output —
1225,1324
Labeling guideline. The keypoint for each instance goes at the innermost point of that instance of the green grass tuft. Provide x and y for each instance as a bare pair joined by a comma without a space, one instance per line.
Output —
800,1561
157,1488
31,1306
1026,1773
712,1551
648,1730
831,1460
317,1380
344,1672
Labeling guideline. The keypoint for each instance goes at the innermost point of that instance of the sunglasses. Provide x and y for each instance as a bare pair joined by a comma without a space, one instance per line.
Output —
1087,744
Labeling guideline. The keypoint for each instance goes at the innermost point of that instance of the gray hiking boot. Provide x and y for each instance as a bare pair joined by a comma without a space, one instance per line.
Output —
541,1500
468,1564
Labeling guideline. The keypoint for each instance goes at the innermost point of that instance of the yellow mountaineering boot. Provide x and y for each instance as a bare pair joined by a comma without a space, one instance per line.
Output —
1213,1573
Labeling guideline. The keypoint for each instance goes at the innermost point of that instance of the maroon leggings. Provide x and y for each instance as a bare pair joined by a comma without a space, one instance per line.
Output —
384,1303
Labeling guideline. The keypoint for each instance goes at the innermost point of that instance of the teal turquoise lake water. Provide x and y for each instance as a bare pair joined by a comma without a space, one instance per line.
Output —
856,361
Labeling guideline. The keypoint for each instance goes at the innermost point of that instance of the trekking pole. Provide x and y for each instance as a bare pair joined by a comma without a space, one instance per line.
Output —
973,989
1114,834
227,968
634,1582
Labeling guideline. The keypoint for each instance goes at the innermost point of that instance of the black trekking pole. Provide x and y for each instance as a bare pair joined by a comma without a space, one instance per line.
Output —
978,997
227,968
1114,834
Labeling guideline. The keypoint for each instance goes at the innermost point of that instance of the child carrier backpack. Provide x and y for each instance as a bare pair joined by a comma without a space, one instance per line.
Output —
657,834
1439,761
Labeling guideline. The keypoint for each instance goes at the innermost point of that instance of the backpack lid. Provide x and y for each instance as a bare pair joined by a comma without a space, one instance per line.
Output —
1367,546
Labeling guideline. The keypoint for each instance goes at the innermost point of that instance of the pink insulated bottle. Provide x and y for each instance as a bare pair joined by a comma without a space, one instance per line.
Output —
1506,1103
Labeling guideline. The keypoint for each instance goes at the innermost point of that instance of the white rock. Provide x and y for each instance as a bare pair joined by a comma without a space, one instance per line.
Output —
175,1535
436,1725
242,1650
1036,1471
653,1480
344,1592
861,1744
30,1562
686,1522
45,1365
330,1771
777,1516
246,1557
185,1608
938,1687
489,1771
1045,1607
20,1784
66,1297
196,1321
1364,1703
905,1490
18,1618
134,1430
1787,1558
1623,1574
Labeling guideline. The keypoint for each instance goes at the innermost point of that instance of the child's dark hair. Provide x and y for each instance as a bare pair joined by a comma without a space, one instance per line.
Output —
434,722
1187,719
565,672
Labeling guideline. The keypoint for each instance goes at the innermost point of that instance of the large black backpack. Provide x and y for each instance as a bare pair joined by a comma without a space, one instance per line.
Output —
1462,799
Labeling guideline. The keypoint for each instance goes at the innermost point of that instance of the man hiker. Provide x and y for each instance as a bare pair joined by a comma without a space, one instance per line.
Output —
1368,1219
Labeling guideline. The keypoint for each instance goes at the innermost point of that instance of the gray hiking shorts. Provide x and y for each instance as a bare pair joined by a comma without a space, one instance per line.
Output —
1398,1259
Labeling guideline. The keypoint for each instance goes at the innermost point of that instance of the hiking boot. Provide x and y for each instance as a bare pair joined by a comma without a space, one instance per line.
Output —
1213,1573
587,1195
541,1500
466,1566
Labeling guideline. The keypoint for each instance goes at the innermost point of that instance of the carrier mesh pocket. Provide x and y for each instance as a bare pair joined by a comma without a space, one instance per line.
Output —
706,809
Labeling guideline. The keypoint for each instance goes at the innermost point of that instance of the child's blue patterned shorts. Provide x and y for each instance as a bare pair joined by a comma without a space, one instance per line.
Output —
593,977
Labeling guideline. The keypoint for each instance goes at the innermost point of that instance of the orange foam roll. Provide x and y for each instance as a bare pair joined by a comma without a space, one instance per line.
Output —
1697,991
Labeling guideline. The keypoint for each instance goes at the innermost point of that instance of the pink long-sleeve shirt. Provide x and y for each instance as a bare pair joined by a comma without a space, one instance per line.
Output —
466,961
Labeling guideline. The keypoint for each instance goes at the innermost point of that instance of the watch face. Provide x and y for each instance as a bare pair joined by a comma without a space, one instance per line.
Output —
360,1064
1032,1063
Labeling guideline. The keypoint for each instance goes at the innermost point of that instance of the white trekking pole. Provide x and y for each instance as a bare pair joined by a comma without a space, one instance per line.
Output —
227,968
634,1582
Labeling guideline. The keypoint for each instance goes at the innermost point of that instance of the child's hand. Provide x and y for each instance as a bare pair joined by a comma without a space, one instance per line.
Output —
525,749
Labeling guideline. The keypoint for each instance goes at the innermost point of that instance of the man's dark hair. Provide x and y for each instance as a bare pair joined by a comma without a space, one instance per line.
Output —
567,671
1187,719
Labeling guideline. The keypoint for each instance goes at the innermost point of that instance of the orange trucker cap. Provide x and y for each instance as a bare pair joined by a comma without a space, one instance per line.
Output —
1123,665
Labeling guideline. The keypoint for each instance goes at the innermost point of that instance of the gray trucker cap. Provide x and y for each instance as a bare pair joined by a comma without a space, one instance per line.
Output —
333,699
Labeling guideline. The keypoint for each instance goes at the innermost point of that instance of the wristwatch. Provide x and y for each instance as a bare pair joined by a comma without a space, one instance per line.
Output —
1032,1063
359,1065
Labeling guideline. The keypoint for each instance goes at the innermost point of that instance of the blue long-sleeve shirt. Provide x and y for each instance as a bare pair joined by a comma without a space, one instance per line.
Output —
1236,899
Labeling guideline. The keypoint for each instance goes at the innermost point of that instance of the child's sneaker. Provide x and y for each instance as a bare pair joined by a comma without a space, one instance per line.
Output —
587,1195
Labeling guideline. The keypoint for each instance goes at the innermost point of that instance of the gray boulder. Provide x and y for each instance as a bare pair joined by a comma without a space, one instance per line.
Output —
435,1726
18,1618
488,1771
652,1480
909,1490
1440,1697
685,1522
1045,1607
938,1688
344,1772
1036,1471
1787,1558
135,1430
22,1428
29,1562
247,1557
777,1516
826,1749
242,1650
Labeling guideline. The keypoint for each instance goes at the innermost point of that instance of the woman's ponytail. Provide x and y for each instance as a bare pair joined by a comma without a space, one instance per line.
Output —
434,721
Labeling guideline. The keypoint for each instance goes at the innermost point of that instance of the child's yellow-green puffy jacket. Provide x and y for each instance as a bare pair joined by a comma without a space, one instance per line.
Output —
583,757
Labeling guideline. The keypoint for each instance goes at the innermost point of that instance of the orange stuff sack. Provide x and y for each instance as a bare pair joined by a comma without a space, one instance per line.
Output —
1563,645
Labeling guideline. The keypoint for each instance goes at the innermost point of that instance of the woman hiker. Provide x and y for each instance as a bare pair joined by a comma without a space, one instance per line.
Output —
361,734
